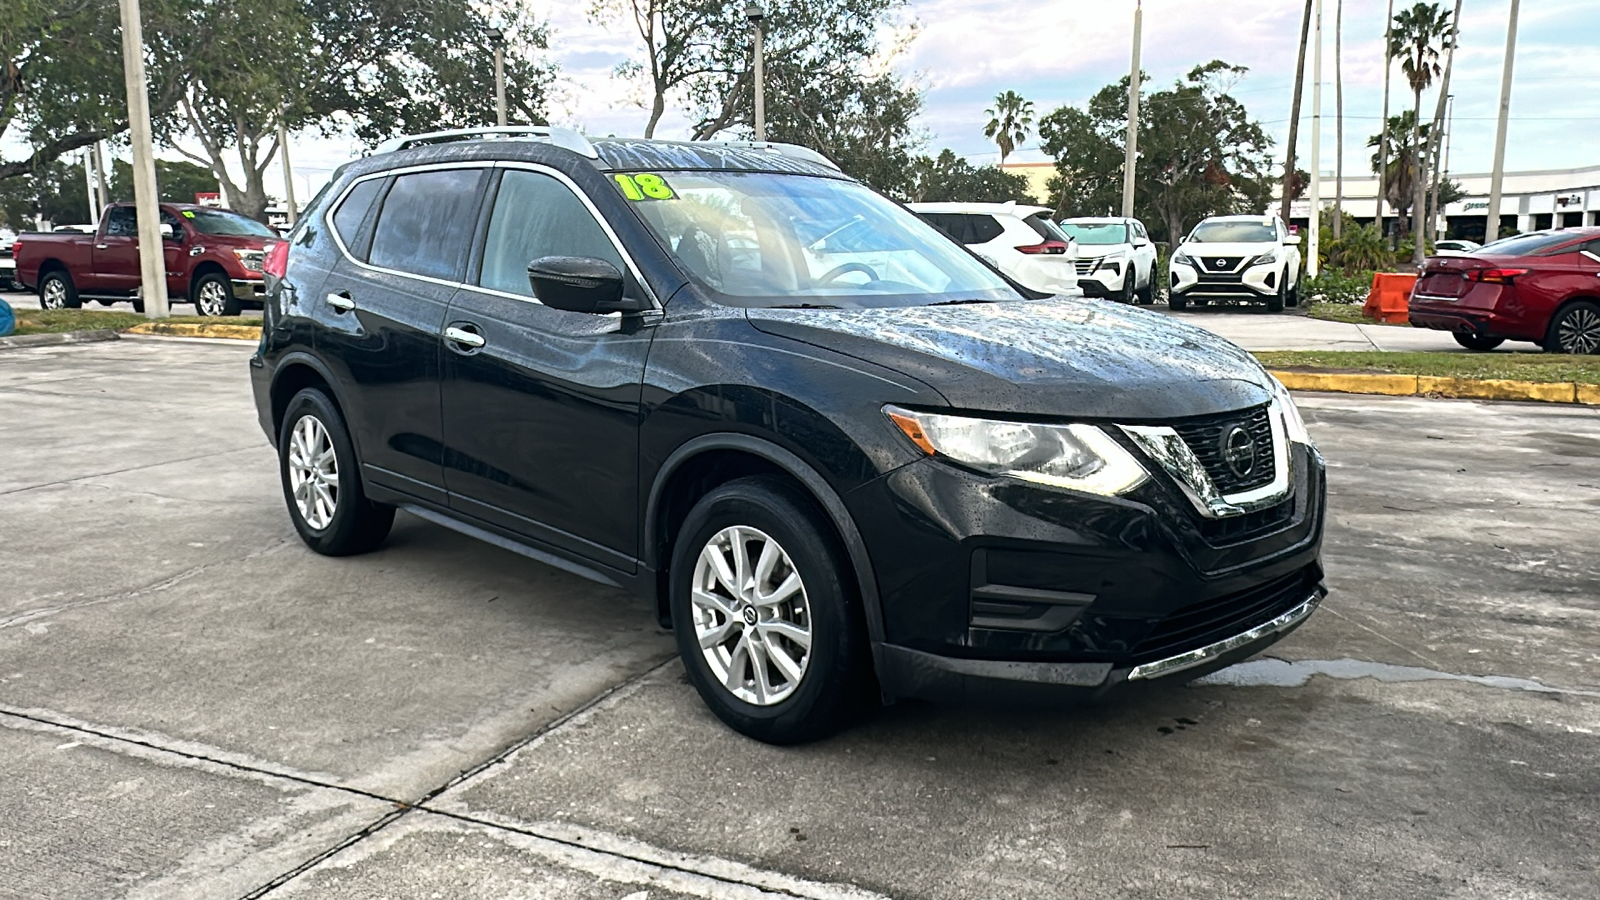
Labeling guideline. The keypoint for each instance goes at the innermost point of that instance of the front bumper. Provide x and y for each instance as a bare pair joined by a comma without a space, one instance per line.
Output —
1105,279
250,290
994,588
1253,283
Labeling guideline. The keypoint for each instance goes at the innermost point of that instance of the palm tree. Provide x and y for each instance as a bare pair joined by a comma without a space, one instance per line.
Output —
1393,162
1388,69
1435,146
1010,120
1289,186
1417,37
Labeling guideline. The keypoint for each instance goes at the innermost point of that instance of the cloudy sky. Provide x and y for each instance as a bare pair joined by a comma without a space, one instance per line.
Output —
1061,51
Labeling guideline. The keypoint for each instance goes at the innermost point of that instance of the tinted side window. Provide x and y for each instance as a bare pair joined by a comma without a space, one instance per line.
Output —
352,212
944,223
535,215
983,229
121,222
426,223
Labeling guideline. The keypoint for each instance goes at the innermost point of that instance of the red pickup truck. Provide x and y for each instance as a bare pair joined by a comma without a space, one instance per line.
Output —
213,260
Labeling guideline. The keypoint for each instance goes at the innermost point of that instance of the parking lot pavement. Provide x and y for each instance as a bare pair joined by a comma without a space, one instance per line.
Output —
30,300
1252,328
193,705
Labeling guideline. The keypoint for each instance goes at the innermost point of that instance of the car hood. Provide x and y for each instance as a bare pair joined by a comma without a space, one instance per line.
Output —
1056,357
1255,249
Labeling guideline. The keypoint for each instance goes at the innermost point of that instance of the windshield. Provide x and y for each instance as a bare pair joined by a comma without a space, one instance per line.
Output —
760,239
214,221
1097,233
1234,233
1526,244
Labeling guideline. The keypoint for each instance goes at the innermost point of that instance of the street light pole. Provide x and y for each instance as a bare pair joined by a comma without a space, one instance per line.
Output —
152,261
1132,156
498,39
1315,219
756,14
88,185
288,173
1491,231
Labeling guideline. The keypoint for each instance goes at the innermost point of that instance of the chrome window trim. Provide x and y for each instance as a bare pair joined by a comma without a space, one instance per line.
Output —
1168,449
344,250
1209,652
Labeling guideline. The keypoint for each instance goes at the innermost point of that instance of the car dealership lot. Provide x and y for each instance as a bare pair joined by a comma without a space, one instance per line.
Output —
193,704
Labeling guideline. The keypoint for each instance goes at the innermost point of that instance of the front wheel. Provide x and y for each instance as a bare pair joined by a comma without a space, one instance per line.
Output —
1175,301
1575,329
56,291
1275,302
766,613
322,480
213,296
1147,294
1477,341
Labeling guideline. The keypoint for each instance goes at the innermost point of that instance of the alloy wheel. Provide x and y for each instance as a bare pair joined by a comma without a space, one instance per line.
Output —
212,299
751,617
1579,331
55,294
313,473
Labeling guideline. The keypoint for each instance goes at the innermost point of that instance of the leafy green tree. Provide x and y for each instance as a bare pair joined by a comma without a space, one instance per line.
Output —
54,190
1200,153
177,180
1010,122
1418,36
950,178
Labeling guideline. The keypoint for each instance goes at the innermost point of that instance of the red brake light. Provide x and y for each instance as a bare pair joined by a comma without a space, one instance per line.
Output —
276,262
1048,248
1493,276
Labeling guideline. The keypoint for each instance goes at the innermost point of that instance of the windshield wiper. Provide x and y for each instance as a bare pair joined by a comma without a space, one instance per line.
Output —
805,306
960,302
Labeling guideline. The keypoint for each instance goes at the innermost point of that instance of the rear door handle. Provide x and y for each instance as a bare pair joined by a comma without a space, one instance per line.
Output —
464,336
341,301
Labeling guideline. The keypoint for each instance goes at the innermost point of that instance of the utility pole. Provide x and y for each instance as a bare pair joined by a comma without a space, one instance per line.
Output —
1492,226
756,14
1131,159
100,178
1436,138
1312,245
88,184
1338,122
1383,127
152,258
497,38
288,173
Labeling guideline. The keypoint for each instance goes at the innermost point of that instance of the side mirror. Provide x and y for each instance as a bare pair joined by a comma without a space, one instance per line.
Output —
1292,240
166,230
1140,242
582,284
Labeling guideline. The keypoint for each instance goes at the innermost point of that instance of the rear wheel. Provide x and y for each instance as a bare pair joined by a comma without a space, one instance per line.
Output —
56,291
213,296
1477,341
322,480
1575,329
766,615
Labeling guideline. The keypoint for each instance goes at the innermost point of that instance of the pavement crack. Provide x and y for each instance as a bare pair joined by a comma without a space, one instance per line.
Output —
44,612
164,462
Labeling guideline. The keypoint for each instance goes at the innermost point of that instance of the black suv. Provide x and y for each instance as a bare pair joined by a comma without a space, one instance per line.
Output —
846,459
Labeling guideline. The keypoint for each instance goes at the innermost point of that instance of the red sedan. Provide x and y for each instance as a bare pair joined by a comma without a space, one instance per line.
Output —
1542,287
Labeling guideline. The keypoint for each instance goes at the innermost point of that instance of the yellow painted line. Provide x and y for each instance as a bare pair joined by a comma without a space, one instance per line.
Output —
219,330
1589,393
1495,389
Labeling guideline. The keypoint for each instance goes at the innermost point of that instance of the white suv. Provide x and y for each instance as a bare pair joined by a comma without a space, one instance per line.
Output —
1115,258
1020,241
1237,258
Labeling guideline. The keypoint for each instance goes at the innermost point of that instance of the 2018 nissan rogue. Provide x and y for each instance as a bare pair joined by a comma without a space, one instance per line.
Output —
846,459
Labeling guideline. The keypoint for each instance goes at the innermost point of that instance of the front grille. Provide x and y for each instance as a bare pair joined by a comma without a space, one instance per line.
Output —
1247,526
1085,266
1205,436
1208,278
1219,263
1209,621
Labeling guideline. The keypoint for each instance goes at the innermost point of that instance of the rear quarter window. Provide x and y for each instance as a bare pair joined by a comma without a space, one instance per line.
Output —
352,212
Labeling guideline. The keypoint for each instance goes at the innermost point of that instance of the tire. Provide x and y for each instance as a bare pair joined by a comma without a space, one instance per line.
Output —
1175,301
1477,342
1294,295
1147,296
1575,329
56,291
138,305
1275,302
212,295
1127,296
355,524
822,688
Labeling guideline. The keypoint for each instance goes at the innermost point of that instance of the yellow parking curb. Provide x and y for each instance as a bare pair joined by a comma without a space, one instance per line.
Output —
219,330
1427,385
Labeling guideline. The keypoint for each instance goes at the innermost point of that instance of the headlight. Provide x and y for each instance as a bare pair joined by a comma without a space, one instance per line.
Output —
250,259
1080,457
1265,259
1294,427
1182,258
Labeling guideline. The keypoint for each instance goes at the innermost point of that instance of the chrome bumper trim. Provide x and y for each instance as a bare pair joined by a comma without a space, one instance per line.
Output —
1211,651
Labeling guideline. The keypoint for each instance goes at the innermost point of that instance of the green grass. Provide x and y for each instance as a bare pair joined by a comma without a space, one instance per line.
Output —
1539,367
57,321
1346,312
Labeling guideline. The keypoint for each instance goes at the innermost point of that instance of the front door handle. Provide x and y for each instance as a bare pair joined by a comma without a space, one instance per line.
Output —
341,301
464,337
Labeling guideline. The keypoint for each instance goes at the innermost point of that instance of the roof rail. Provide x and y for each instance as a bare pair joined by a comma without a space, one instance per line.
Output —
793,151
560,137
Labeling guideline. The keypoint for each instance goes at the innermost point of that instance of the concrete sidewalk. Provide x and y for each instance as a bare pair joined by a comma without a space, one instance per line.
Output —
1255,329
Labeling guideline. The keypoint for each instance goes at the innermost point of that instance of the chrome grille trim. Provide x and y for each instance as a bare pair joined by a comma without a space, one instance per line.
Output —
1168,449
